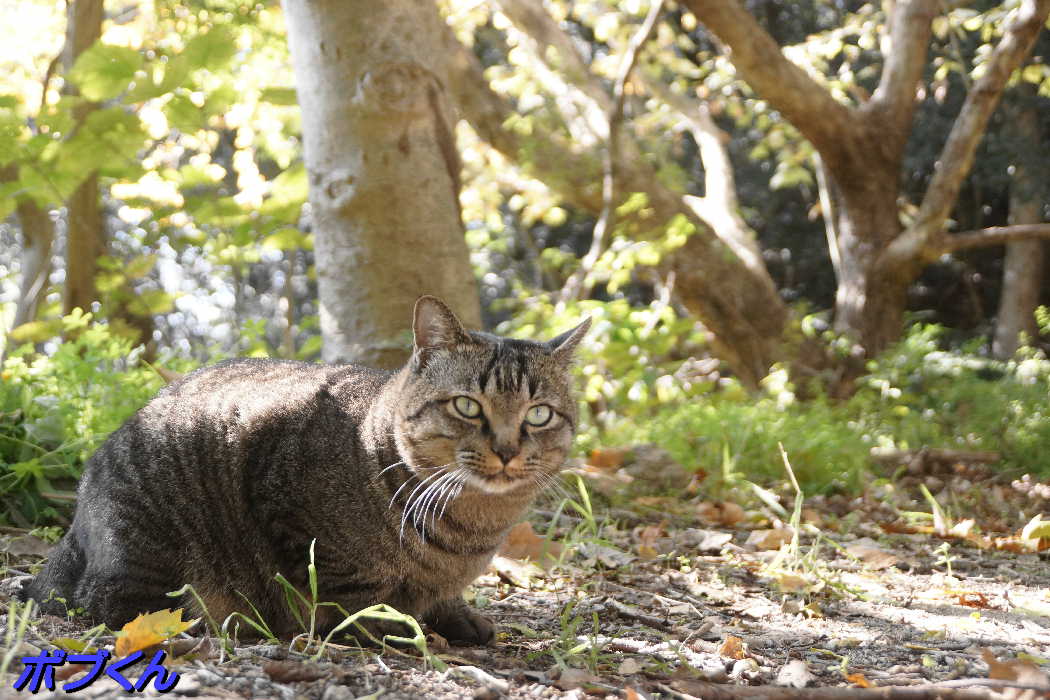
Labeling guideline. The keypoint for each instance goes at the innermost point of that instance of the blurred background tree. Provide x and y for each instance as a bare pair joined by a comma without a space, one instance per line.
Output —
762,199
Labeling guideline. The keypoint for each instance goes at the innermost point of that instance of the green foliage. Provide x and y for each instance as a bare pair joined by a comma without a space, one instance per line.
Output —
103,71
56,410
916,394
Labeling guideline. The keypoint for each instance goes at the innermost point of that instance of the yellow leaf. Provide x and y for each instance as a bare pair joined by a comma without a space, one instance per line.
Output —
1036,529
149,629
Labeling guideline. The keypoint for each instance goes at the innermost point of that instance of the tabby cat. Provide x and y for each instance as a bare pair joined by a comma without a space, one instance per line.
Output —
407,480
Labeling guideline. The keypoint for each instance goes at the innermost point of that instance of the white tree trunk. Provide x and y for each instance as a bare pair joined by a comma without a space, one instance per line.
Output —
1023,265
383,172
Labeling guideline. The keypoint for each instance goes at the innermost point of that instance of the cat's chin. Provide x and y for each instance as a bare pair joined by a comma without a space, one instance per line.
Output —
496,484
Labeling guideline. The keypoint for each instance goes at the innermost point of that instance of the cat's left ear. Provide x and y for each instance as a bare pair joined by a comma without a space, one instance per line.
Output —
434,326
564,346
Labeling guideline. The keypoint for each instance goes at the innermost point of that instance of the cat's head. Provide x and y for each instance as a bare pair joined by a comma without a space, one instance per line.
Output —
500,410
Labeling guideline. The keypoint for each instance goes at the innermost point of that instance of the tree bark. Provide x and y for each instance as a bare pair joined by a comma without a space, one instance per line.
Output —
85,228
38,236
862,149
383,172
1023,266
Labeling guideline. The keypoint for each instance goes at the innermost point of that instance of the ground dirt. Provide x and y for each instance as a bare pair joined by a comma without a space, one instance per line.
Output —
694,596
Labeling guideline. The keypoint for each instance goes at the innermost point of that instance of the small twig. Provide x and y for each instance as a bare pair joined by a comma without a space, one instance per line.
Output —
632,614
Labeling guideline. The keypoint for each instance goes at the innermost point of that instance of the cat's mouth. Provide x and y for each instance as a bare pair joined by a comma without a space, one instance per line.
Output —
496,482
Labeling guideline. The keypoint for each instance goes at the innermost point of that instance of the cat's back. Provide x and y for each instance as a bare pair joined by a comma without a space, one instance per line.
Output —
253,391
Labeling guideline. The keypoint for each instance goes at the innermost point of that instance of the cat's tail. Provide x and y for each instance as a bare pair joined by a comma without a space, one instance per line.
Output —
53,587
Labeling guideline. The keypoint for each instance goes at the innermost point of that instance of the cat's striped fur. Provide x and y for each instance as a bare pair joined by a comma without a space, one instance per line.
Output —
226,477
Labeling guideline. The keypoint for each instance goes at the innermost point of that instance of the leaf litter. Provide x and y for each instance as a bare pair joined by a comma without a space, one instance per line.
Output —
884,594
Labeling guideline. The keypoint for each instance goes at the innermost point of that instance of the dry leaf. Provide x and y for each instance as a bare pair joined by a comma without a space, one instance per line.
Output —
629,667
733,648
769,539
795,674
871,555
974,600
724,513
523,543
575,678
705,540
790,583
859,680
149,629
514,571
647,553
1036,529
292,671
1015,670
962,528
609,458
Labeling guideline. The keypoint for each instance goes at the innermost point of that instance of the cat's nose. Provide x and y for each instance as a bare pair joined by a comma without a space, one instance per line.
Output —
505,453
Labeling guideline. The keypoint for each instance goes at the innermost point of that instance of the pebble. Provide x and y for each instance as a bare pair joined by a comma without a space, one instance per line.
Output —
208,678
189,684
337,692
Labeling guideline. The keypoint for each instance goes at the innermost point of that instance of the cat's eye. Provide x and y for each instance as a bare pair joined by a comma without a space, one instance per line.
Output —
539,415
467,407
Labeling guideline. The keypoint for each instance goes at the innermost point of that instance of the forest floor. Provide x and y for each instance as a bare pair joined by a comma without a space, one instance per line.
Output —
888,594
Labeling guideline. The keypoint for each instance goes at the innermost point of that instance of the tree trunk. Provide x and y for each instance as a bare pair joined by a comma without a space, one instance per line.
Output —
869,299
1023,266
38,235
383,172
85,233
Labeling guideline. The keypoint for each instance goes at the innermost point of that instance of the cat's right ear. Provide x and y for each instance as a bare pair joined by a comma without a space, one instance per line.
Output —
434,327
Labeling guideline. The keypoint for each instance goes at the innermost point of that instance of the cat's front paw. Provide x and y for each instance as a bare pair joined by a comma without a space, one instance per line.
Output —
462,625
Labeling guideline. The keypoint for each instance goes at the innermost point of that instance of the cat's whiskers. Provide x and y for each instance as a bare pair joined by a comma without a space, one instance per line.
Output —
439,489
415,476
454,493
413,502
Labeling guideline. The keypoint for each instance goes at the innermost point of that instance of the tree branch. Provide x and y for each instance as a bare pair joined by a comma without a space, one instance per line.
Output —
904,46
996,235
577,283
531,17
738,304
919,242
829,125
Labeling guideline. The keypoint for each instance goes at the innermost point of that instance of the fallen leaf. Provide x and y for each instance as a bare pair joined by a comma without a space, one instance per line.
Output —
629,667
149,629
791,583
609,557
609,458
795,674
523,543
647,553
732,648
769,539
973,600
77,646
962,528
1015,670
572,678
724,513
514,571
292,671
871,555
1036,529
858,680
705,540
